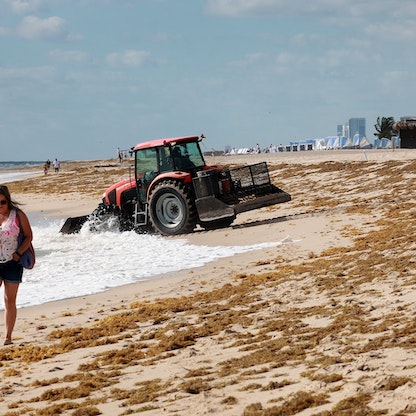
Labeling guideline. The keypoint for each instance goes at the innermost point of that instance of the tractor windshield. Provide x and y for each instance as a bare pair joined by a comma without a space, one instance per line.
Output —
186,156
174,156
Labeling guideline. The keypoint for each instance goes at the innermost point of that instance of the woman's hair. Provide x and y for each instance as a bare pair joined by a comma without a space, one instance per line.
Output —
4,190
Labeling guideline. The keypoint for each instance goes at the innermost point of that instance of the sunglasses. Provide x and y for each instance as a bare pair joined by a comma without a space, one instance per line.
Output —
3,202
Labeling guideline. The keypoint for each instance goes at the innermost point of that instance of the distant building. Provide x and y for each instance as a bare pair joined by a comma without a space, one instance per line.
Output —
356,126
406,129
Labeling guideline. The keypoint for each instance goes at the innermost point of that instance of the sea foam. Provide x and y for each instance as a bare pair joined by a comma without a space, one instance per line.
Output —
86,263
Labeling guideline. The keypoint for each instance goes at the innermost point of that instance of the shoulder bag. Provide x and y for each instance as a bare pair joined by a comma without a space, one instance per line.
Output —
28,258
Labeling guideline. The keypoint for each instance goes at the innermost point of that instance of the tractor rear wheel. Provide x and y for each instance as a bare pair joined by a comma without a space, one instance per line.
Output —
172,209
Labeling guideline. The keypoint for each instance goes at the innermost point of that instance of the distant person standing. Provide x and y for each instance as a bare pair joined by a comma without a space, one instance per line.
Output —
56,165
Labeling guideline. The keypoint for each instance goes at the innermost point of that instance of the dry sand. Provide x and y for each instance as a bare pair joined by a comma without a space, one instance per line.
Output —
324,325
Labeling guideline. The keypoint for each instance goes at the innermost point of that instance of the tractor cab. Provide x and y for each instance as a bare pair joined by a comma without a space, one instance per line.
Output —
176,157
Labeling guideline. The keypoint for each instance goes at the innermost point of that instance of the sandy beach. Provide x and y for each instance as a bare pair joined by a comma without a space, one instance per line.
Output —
323,324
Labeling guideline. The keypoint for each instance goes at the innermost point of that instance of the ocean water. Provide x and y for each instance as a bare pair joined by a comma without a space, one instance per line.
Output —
19,164
16,174
86,263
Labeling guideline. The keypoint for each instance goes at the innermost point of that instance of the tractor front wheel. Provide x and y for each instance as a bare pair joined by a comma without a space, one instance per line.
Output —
104,218
172,209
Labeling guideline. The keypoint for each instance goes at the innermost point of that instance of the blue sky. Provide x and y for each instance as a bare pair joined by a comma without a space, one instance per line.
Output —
79,78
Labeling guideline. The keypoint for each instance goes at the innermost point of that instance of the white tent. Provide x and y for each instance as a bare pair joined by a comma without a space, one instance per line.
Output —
332,142
319,144
360,142
345,142
386,143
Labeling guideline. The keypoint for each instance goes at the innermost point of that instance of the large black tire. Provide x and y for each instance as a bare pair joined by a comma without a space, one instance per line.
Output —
104,218
172,209
125,216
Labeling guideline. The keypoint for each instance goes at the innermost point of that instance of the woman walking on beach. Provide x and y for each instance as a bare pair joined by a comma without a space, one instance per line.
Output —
12,219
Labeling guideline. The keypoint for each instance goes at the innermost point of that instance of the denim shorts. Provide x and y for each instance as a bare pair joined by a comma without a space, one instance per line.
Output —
11,272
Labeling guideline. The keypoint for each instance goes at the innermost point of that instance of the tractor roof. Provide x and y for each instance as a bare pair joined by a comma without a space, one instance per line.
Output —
164,142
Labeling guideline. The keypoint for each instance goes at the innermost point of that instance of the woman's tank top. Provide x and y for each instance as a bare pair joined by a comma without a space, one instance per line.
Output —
9,231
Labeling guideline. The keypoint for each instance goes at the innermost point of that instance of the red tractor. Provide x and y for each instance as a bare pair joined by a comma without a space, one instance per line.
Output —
173,191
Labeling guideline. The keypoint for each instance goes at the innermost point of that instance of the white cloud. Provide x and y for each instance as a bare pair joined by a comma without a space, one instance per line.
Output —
287,58
255,57
341,8
399,31
26,6
249,60
271,7
130,58
51,28
39,73
69,56
347,60
240,7
339,58
303,39
288,62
